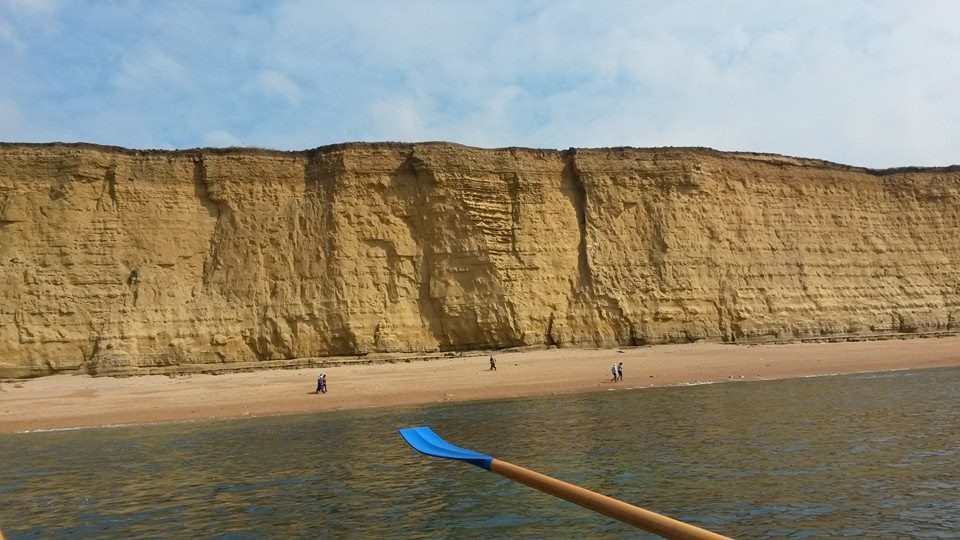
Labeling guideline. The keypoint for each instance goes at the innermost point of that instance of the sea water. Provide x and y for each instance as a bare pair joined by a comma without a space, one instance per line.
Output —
857,455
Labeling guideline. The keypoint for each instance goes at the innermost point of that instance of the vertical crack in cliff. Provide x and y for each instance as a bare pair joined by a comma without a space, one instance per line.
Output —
18,324
88,365
513,189
323,177
575,190
389,250
726,322
604,309
549,339
351,345
216,209
109,189
430,311
256,348
112,183
657,244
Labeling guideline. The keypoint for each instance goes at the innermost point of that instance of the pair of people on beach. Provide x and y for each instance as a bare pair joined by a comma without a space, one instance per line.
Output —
322,384
617,371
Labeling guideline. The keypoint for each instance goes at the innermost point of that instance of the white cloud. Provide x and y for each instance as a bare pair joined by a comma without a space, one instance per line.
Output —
9,36
153,70
276,83
400,119
32,15
9,116
221,139
31,7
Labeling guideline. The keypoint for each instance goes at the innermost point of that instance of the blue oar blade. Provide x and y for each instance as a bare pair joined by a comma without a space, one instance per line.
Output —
425,441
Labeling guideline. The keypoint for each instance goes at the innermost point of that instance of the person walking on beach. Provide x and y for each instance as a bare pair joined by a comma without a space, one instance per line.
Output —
613,369
493,364
620,371
321,384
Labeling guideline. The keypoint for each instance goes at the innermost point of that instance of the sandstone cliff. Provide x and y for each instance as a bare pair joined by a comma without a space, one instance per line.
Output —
113,259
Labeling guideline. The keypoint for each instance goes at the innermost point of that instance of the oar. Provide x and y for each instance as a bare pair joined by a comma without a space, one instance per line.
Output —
425,441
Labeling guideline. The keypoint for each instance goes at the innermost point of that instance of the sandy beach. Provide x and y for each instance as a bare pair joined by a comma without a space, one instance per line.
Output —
66,401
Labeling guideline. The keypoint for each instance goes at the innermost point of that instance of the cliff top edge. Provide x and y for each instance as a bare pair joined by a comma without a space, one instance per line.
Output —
697,150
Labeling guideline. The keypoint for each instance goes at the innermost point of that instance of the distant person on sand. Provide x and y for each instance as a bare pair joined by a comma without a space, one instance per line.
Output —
321,384
620,371
613,369
493,364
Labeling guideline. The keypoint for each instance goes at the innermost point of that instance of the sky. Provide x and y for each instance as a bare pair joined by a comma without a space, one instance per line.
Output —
869,83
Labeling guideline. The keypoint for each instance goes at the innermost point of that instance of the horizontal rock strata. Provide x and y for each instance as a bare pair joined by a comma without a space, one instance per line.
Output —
113,260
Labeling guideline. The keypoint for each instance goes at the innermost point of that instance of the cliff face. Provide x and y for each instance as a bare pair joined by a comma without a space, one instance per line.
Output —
114,259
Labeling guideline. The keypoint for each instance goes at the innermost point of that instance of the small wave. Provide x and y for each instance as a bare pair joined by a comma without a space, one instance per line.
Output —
99,426
52,430
696,383
885,375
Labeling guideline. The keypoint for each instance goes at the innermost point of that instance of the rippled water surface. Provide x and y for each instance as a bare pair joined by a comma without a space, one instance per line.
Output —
861,455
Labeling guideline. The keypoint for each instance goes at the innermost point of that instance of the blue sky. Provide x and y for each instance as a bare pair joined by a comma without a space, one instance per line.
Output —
861,82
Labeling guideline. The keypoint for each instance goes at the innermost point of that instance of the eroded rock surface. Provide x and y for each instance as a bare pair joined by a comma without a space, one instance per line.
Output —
112,260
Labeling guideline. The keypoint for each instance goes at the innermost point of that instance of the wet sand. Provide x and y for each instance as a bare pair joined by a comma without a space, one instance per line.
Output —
67,401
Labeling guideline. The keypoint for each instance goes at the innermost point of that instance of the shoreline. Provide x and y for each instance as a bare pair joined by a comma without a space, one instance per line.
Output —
533,395
62,402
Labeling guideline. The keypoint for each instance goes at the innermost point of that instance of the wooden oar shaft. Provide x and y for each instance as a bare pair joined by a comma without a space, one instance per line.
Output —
636,516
